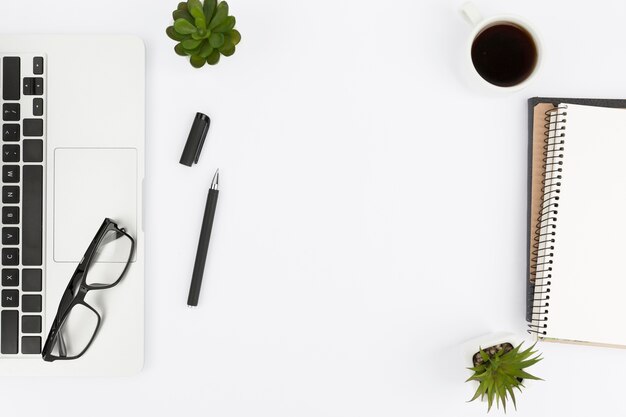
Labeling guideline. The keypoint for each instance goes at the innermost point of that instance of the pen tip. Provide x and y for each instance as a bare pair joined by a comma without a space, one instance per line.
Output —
216,179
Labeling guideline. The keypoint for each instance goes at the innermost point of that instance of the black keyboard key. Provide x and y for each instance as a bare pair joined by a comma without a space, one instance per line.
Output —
11,78
11,132
10,298
31,280
10,256
11,112
31,345
11,173
32,214
31,324
33,127
38,107
33,150
10,277
11,153
38,65
10,194
10,215
31,303
28,86
38,86
9,331
10,236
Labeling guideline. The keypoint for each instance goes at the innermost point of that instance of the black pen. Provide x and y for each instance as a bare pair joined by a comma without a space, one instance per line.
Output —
203,244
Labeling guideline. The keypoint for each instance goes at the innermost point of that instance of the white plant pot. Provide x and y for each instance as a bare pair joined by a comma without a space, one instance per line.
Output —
470,347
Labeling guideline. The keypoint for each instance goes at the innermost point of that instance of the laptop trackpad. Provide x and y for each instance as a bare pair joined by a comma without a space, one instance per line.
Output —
89,185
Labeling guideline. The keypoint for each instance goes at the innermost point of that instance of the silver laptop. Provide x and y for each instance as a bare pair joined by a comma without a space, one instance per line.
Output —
72,155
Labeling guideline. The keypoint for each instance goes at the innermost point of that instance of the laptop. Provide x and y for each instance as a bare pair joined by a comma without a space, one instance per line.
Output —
73,154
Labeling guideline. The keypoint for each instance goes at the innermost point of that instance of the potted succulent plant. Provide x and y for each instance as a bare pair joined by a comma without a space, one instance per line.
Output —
203,31
499,366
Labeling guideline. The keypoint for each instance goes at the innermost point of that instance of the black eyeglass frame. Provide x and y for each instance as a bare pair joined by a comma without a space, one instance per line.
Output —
77,289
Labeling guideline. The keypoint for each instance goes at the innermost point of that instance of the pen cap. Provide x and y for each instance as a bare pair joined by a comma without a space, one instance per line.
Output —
196,138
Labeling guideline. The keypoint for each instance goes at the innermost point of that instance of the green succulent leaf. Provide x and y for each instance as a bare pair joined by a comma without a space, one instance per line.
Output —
525,375
228,43
530,362
226,26
180,50
206,50
182,14
228,48
491,393
201,23
191,44
200,34
235,36
209,9
182,6
526,353
195,8
171,32
216,40
184,27
197,61
502,395
196,51
221,13
228,51
512,394
500,372
214,58
482,388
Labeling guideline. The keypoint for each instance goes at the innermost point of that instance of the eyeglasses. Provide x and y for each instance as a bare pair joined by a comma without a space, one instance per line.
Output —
103,266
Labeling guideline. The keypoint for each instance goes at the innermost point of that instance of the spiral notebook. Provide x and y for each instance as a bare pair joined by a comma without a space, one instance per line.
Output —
577,221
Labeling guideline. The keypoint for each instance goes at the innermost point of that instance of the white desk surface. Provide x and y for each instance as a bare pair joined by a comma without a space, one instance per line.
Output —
372,213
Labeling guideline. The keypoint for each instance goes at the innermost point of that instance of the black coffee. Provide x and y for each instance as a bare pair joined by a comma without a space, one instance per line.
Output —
504,54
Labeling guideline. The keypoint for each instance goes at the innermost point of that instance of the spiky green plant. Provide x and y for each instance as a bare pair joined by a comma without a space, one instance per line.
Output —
204,32
500,370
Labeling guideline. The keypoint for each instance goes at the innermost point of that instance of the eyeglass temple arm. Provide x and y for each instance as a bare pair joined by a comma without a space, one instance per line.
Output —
62,348
94,244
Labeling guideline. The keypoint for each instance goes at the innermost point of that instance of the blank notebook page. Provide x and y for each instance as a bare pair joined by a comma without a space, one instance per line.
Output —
588,284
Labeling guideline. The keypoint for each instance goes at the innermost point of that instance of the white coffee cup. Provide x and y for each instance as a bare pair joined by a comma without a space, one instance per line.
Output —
471,14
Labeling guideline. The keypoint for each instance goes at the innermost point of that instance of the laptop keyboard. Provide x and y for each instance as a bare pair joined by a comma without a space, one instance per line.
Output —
23,86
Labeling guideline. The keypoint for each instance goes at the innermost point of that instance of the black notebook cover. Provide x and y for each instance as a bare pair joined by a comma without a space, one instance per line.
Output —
532,223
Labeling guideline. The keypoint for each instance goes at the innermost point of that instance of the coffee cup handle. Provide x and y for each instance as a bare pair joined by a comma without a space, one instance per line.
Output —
470,13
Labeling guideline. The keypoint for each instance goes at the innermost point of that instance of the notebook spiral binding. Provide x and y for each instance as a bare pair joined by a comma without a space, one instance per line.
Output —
545,230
